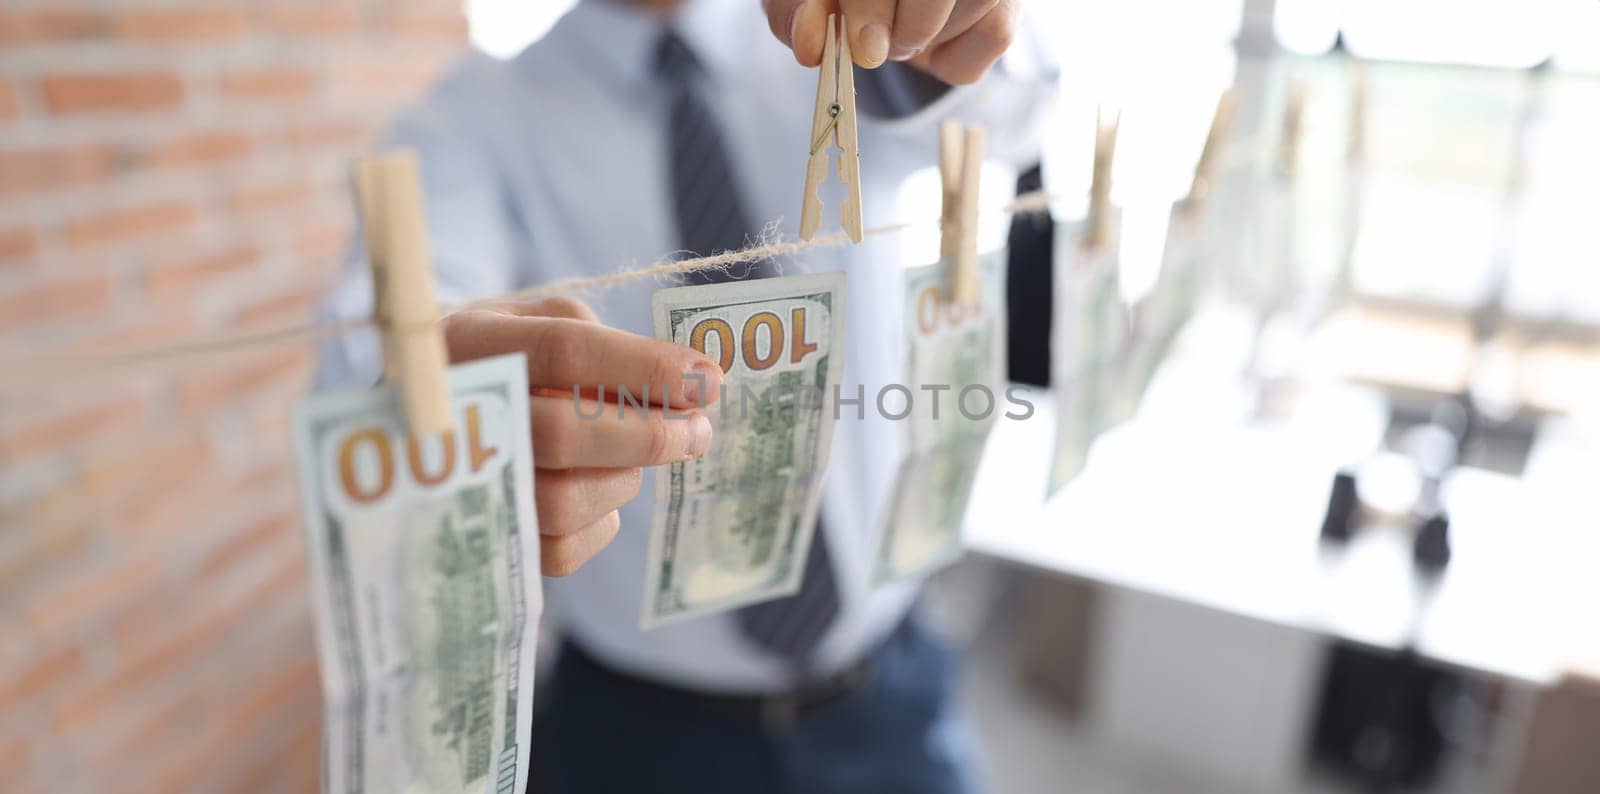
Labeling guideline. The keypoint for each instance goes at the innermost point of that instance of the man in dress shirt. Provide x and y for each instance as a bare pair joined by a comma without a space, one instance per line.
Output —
638,128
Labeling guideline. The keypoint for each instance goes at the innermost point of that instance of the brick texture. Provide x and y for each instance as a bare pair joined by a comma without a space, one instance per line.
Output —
90,92
49,25
10,106
279,83
113,225
56,300
25,170
181,24
167,170
200,148
17,244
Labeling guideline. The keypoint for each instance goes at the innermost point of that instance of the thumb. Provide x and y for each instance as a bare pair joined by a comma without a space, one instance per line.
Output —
801,25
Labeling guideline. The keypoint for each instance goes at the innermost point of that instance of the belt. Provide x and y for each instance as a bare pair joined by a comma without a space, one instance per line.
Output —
776,712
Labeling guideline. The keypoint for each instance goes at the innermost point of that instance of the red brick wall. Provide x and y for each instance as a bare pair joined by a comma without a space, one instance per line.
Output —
170,168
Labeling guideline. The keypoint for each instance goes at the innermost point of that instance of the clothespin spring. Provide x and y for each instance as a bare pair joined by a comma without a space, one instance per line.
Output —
833,123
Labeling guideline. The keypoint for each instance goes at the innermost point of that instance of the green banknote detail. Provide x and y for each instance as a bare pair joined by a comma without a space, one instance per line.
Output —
426,612
731,527
956,348
465,603
1090,328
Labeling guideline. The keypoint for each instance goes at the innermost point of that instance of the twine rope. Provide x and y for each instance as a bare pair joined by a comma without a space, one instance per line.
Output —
46,365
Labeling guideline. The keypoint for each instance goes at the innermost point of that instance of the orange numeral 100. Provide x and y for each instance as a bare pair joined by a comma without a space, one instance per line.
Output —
477,455
799,347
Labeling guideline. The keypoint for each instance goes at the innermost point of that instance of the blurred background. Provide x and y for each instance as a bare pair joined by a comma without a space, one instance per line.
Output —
1344,541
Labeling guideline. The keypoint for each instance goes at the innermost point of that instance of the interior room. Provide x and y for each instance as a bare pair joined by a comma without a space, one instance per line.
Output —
1285,314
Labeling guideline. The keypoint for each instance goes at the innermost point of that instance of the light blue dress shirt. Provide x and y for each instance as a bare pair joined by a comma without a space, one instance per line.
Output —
553,165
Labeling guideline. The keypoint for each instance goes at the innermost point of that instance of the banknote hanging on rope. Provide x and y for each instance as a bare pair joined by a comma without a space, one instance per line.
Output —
733,526
425,584
954,362
1088,328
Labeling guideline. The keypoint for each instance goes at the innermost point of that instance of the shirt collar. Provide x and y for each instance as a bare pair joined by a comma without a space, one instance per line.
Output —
623,37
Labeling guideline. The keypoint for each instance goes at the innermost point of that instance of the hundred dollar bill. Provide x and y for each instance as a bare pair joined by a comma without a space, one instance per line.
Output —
1088,331
425,584
733,526
1161,315
953,362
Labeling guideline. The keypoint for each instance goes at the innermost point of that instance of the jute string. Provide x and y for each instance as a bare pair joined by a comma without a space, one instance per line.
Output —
55,366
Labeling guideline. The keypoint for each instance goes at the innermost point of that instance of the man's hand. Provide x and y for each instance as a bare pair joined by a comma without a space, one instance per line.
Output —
587,466
954,40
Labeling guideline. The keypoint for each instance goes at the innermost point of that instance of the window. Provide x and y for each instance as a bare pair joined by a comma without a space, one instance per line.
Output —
502,28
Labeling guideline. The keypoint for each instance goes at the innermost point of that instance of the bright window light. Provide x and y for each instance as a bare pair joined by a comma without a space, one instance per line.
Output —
1307,27
1143,240
503,28
1578,47
1502,33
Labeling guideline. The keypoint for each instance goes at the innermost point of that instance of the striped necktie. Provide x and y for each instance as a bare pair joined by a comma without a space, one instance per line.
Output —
711,219
704,188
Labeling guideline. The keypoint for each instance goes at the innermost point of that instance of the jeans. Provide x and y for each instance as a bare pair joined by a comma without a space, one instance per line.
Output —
899,733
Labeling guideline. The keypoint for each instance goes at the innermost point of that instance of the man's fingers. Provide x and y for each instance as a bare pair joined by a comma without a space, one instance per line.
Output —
559,306
901,30
580,433
570,499
915,26
869,23
780,17
967,58
795,23
564,352
963,16
562,555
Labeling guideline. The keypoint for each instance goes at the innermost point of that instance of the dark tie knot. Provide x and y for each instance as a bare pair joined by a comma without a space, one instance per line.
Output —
675,62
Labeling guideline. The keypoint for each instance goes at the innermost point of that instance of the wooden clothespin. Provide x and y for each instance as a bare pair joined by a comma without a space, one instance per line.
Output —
834,122
960,165
389,194
1098,234
1205,169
